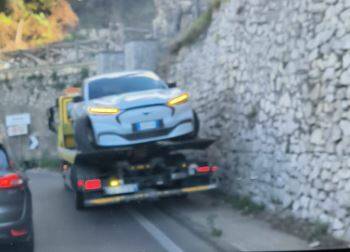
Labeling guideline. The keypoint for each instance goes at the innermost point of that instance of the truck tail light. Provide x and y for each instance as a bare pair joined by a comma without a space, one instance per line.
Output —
203,169
207,169
93,184
214,168
80,183
10,181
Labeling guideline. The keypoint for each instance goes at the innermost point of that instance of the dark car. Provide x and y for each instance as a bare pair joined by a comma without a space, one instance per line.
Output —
16,225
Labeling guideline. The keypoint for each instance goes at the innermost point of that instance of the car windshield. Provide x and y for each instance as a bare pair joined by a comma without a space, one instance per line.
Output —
3,161
125,84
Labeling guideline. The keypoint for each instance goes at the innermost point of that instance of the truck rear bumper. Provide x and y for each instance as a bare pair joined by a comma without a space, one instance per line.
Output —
147,195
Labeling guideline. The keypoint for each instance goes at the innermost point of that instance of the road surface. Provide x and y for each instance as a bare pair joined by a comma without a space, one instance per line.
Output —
134,227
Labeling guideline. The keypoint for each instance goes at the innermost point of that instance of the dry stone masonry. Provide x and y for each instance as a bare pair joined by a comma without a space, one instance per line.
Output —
271,81
34,92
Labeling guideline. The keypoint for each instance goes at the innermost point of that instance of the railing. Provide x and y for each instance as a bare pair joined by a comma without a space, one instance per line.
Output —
56,55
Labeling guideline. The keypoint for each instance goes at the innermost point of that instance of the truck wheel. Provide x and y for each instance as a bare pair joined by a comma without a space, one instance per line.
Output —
79,201
83,135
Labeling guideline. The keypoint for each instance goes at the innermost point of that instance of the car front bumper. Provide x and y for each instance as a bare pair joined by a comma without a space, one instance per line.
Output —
112,131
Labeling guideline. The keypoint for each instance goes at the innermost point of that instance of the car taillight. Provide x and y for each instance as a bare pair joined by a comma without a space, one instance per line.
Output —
93,184
19,232
10,181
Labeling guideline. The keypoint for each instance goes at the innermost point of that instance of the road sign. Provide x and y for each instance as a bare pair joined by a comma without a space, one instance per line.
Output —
34,142
19,119
17,130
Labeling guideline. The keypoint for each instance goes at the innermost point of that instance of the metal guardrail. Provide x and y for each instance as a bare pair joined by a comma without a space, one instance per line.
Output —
85,51
52,67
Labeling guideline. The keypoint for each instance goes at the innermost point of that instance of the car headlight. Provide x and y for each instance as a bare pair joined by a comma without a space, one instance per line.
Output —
179,100
103,111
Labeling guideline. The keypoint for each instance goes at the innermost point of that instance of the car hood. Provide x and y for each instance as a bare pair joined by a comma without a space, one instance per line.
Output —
137,99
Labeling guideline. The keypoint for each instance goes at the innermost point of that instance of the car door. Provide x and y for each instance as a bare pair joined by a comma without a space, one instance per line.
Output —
12,191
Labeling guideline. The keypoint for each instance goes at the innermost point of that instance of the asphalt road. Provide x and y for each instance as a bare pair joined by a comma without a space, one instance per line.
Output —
134,227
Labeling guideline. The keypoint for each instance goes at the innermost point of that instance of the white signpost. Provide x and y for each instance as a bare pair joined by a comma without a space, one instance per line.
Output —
17,125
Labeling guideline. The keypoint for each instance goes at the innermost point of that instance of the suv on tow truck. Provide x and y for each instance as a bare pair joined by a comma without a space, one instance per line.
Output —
129,173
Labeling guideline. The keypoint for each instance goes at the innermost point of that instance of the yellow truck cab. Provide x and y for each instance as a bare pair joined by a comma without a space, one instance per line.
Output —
60,123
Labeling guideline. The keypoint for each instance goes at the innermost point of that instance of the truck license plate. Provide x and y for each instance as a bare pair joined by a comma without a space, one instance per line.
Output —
129,188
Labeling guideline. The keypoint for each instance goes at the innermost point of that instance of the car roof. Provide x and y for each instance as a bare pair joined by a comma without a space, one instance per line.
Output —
139,73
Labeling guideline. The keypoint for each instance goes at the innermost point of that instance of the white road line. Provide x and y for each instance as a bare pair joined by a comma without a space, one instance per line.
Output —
157,234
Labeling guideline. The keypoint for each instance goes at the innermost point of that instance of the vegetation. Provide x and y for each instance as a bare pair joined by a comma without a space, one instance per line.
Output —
198,27
244,204
30,23
46,163
216,232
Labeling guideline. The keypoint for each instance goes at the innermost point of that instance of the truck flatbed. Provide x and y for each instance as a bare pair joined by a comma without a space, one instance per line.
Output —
73,156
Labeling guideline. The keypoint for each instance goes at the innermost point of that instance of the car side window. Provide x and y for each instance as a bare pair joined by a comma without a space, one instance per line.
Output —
4,165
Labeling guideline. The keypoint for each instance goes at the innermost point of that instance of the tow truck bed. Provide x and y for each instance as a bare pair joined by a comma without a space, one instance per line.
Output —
166,172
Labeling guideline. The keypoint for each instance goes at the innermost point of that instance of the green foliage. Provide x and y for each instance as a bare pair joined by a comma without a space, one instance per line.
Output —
49,163
35,77
31,23
198,27
317,230
54,76
59,86
253,112
46,163
244,204
84,73
6,82
216,232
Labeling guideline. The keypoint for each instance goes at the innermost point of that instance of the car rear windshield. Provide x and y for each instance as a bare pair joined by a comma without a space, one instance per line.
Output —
4,165
126,84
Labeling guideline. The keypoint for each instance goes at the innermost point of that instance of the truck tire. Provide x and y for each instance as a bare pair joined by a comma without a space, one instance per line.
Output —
78,195
79,201
83,135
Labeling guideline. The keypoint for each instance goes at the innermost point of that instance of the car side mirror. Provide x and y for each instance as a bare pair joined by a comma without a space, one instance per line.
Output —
77,99
51,119
172,84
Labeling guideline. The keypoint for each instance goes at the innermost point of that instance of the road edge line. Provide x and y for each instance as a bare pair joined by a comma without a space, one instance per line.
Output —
155,232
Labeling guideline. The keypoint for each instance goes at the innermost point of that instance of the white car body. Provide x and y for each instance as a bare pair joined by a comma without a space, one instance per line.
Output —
143,116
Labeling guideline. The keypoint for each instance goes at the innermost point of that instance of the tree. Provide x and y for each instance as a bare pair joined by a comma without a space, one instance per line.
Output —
30,23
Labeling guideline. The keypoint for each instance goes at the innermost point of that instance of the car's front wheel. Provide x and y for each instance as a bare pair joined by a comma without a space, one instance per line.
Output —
194,133
83,135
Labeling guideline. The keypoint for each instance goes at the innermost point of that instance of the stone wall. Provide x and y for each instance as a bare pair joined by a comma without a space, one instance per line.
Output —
270,81
172,16
34,92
